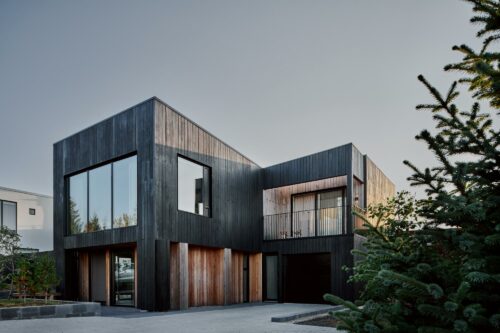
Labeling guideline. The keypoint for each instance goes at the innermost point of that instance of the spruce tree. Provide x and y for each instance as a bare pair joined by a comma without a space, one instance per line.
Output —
433,265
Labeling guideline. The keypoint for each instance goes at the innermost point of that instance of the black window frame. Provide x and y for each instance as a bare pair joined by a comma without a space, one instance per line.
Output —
87,170
1,212
264,276
32,211
209,168
330,189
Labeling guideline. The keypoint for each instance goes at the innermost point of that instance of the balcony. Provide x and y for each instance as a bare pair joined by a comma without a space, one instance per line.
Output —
307,223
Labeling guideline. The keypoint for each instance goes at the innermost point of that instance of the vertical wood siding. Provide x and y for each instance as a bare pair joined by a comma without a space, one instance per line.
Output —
255,276
159,134
236,187
206,276
236,277
83,278
378,186
278,200
131,131
330,163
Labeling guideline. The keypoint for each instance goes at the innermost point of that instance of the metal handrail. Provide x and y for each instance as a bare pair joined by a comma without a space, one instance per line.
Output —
307,223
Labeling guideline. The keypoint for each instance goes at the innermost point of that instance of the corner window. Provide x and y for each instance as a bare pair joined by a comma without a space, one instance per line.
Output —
104,197
8,216
193,193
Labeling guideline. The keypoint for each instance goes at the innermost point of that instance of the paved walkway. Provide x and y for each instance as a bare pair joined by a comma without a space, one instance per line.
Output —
241,319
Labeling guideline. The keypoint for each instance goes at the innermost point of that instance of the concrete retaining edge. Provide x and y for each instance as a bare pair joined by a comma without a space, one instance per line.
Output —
306,314
70,309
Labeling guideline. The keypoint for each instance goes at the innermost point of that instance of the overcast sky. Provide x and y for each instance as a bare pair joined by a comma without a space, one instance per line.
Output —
274,79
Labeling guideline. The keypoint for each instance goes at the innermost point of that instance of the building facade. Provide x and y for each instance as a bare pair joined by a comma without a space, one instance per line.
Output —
30,215
153,211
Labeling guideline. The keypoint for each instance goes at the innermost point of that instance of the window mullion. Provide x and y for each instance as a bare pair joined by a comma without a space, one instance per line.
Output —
112,195
88,202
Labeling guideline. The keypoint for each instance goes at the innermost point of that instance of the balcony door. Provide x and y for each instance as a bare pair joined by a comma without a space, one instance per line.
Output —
330,212
303,215
318,213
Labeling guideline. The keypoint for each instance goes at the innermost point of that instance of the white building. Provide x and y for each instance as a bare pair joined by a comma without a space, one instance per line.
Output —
31,215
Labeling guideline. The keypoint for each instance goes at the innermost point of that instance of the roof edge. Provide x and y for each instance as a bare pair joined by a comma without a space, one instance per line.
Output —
25,192
204,129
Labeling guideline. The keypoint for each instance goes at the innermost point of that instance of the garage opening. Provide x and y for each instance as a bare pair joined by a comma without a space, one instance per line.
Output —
307,277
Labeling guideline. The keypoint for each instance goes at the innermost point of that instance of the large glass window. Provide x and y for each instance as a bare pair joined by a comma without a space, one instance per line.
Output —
100,198
77,203
125,192
304,224
104,197
193,187
318,213
330,212
9,214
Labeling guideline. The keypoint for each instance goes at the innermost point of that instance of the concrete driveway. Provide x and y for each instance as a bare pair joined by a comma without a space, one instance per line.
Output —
248,318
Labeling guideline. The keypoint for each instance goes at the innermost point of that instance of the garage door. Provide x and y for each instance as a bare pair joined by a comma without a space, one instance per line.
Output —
307,277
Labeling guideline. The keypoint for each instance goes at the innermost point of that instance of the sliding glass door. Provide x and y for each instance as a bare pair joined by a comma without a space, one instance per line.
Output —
330,212
319,213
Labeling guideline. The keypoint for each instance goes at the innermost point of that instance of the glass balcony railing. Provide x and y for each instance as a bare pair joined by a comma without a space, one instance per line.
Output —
308,223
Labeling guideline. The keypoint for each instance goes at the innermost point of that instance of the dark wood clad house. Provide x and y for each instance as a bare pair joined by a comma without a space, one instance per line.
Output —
153,211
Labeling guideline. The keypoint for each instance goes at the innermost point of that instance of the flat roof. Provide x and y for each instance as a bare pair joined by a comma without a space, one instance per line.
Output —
155,98
24,192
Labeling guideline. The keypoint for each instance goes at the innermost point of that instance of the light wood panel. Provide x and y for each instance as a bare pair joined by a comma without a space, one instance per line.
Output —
174,276
277,200
255,266
83,278
183,276
206,276
378,186
236,277
227,276
179,284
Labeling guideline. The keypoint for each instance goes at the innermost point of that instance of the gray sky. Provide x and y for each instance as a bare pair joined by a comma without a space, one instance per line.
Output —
274,79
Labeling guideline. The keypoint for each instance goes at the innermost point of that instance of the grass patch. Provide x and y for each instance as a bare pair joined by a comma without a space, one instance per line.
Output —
16,302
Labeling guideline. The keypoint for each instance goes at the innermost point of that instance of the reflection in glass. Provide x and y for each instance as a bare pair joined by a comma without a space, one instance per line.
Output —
124,278
330,213
272,278
125,192
304,224
193,187
111,200
77,203
99,199
9,215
